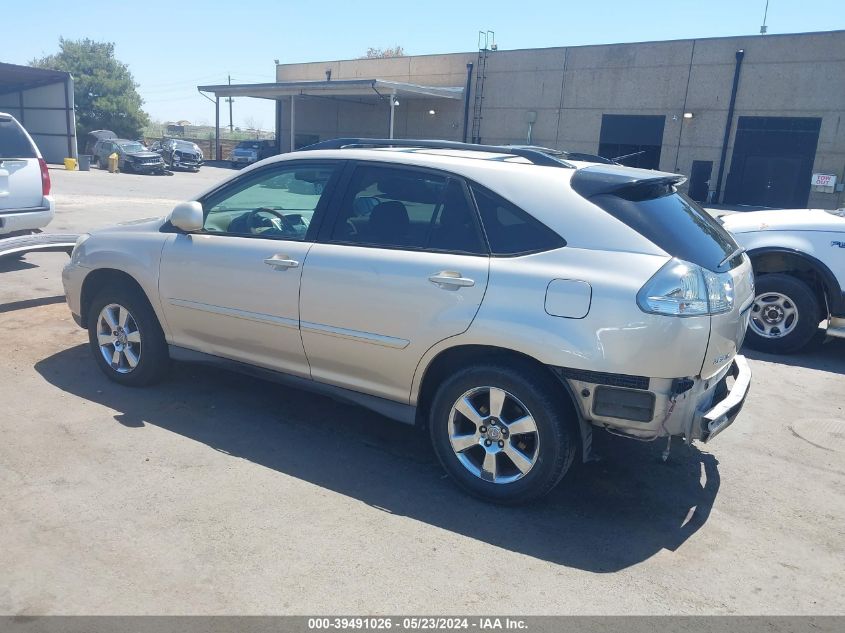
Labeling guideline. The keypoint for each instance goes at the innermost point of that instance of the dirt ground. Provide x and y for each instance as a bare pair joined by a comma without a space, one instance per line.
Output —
216,493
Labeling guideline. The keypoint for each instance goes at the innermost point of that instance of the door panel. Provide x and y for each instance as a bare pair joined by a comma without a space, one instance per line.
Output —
369,314
699,182
220,297
233,289
772,161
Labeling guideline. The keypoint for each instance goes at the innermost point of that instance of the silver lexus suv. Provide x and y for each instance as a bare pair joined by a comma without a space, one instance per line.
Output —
504,299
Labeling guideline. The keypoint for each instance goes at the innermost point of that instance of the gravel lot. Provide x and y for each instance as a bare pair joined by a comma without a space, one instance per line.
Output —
216,493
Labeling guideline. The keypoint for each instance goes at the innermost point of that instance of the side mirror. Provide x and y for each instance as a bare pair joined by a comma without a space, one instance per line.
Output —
187,216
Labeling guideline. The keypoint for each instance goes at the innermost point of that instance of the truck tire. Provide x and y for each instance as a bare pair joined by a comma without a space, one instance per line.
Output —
785,315
503,432
125,337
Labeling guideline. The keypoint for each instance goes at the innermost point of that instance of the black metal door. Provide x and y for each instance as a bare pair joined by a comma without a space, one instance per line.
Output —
772,161
699,181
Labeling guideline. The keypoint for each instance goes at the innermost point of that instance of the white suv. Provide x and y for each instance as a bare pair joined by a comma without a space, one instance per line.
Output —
25,200
504,299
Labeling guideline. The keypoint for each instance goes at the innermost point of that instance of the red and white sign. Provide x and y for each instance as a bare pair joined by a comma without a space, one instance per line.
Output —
823,180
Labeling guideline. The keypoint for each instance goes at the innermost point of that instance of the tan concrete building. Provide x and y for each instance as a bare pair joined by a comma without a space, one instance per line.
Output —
667,103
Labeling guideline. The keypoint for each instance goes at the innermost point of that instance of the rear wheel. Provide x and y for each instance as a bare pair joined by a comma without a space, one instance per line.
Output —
126,338
785,315
503,434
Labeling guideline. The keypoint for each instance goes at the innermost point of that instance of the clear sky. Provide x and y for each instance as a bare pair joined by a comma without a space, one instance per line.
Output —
172,46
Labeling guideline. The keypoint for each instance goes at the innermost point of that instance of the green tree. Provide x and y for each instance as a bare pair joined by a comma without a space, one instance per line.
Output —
105,92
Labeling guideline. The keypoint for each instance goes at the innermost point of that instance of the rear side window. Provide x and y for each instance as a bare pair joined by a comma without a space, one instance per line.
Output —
674,223
510,230
13,141
406,208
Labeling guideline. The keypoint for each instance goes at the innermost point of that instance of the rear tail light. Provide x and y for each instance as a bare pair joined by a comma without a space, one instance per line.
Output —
45,177
684,289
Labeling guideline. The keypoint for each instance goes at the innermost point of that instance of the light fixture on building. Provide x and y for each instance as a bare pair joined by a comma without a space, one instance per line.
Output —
688,115
395,101
432,112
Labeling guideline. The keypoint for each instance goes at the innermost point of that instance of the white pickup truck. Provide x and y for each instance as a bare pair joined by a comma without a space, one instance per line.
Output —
798,257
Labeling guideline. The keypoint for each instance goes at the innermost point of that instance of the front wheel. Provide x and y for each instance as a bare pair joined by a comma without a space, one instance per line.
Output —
504,435
126,338
785,315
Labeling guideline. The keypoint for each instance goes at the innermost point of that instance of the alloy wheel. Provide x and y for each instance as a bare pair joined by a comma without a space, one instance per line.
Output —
493,435
119,338
773,315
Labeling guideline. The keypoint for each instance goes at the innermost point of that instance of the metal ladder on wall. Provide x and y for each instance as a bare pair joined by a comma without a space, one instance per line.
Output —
486,44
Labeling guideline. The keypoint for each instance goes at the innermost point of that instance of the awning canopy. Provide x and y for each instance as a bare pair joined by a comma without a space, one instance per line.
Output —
42,101
366,88
14,78
356,89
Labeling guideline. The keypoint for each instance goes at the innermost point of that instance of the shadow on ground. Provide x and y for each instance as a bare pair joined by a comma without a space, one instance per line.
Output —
603,517
12,263
822,355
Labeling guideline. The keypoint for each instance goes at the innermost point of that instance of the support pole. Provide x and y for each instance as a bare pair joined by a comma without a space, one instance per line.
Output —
392,112
217,128
292,122
278,126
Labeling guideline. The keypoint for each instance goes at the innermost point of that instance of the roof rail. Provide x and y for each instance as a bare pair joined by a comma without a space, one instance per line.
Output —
535,156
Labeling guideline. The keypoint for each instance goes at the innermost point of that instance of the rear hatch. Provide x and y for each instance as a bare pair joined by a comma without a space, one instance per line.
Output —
20,172
647,201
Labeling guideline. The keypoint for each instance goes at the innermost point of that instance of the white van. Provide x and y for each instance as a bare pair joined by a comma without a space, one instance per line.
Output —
25,200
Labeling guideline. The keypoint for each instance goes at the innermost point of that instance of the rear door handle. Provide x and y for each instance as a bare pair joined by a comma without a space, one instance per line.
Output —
281,262
448,280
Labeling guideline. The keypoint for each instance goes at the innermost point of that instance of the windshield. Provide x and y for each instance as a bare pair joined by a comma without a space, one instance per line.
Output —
248,145
186,145
133,147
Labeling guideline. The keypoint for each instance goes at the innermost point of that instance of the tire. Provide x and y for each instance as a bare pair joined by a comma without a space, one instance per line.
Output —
549,449
785,316
148,348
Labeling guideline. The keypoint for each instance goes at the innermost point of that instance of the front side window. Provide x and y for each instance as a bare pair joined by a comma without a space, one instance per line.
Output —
278,203
509,229
406,208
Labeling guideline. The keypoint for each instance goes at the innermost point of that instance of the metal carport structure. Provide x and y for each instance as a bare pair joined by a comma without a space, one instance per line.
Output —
42,100
361,90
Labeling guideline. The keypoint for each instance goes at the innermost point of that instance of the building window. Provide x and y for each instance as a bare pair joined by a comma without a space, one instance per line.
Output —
633,140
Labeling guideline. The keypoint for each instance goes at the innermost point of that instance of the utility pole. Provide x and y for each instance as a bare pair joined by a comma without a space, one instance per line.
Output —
229,99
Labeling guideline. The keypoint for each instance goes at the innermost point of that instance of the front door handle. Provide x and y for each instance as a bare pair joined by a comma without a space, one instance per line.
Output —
281,262
450,280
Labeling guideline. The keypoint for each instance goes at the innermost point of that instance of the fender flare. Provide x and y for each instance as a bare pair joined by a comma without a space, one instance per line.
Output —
831,283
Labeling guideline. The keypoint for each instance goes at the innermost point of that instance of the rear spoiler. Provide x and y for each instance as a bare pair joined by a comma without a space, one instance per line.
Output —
601,179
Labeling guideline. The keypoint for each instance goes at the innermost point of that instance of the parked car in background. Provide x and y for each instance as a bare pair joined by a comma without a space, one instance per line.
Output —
179,154
798,257
132,156
441,287
25,200
96,135
248,152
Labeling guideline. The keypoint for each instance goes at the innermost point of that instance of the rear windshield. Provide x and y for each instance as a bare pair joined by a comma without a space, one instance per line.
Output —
13,142
674,223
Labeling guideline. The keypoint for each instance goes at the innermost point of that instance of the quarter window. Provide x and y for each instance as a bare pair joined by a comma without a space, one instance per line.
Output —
509,229
403,208
276,204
